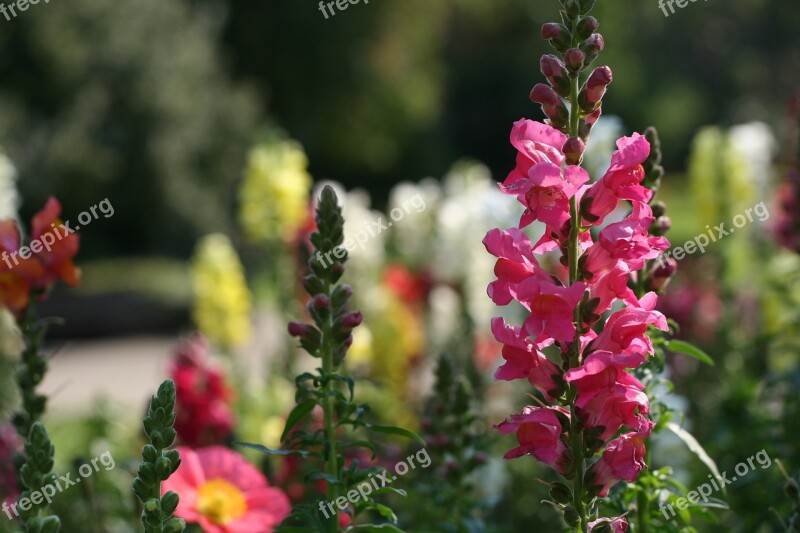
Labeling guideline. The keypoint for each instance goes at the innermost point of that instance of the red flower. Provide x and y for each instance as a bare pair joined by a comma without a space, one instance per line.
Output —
48,257
204,415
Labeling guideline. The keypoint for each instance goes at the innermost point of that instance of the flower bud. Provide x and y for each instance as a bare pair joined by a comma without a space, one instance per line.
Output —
661,275
586,124
320,301
594,89
573,150
556,73
558,35
592,46
352,320
659,208
573,8
574,59
298,329
552,105
552,30
594,43
660,226
586,27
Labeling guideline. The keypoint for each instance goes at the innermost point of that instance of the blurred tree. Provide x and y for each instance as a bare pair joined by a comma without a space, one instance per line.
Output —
127,100
398,90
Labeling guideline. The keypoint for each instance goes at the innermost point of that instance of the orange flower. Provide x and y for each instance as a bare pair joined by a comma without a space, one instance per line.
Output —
44,261
223,493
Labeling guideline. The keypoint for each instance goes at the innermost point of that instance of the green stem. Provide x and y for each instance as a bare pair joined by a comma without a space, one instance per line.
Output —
576,427
328,410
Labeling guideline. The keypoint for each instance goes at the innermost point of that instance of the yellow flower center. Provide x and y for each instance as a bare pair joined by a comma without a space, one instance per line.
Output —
221,502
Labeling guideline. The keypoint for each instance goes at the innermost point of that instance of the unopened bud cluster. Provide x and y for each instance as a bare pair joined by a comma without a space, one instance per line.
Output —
577,45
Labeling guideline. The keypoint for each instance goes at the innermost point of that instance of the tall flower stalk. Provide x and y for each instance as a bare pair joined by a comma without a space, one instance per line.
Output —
591,420
330,390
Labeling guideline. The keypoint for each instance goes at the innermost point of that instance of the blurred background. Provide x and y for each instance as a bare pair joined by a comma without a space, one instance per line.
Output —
204,122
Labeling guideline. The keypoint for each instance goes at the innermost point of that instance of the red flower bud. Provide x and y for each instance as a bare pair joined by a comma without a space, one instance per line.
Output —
595,88
320,301
551,30
551,66
586,27
574,59
298,329
660,226
552,105
661,275
352,320
545,95
573,150
594,44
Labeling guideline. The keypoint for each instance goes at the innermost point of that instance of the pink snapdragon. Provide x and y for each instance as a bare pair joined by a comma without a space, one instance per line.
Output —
538,432
593,414
524,360
622,181
607,398
622,460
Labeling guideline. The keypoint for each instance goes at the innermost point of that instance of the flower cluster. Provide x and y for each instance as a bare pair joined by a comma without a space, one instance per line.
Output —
204,414
274,193
222,298
35,268
596,407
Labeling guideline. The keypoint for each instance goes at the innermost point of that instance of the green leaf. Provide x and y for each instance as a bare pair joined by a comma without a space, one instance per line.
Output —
298,413
382,527
391,490
713,503
690,350
696,448
392,430
316,475
270,451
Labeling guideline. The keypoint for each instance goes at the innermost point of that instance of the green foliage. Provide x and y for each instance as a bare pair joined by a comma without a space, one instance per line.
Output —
159,464
31,372
35,473
129,100
448,500
329,339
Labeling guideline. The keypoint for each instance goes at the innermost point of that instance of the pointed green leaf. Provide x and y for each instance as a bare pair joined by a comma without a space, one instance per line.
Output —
696,448
298,413
690,350
270,451
392,430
